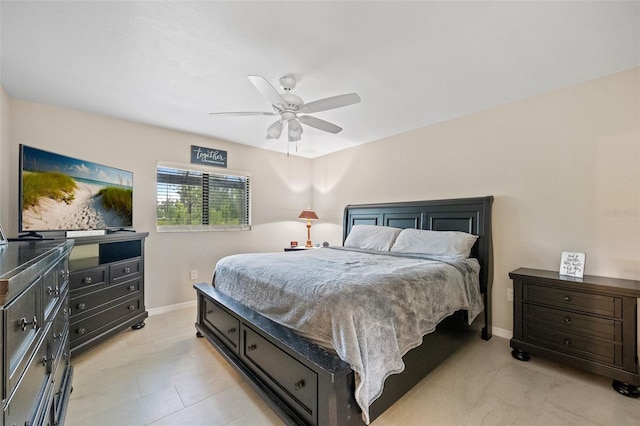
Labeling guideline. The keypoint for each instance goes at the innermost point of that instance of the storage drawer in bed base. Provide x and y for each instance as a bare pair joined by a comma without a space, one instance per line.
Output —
327,397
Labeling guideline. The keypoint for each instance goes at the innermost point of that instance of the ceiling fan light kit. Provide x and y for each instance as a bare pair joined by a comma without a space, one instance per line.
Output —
288,106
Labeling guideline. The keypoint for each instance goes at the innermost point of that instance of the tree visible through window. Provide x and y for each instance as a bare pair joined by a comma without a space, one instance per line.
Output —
197,200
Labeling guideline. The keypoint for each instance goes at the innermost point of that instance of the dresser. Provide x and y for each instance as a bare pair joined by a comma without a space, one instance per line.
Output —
106,288
37,374
589,323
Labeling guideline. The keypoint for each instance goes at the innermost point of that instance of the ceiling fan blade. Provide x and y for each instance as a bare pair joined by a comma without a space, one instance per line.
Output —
319,124
242,113
267,90
331,103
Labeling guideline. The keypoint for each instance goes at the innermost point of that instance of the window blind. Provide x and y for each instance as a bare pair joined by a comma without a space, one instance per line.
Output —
197,200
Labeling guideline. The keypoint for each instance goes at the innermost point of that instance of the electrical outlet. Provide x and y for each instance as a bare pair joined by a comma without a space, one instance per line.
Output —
509,295
194,274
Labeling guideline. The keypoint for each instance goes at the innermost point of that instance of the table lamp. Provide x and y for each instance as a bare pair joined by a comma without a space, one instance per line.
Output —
309,215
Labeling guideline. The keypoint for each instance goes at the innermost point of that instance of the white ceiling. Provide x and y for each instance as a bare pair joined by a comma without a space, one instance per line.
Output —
413,64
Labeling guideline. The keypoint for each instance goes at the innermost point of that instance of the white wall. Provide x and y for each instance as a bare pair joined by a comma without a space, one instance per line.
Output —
564,168
280,189
5,123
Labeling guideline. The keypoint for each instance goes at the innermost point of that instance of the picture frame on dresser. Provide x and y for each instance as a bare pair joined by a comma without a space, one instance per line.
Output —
3,237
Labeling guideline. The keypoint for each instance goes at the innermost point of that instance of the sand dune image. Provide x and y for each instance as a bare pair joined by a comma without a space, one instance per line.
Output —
85,212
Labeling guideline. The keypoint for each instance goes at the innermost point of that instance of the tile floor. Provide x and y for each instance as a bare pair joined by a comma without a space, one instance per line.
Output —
164,375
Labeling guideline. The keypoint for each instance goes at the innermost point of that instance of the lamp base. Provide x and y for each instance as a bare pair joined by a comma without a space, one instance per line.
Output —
308,245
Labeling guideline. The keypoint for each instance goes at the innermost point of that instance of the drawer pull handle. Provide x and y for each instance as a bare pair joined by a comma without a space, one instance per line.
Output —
24,324
86,280
231,330
82,306
126,270
567,320
81,331
298,385
252,347
53,291
567,342
131,288
567,298
44,361
64,275
210,311
57,336
131,308
50,290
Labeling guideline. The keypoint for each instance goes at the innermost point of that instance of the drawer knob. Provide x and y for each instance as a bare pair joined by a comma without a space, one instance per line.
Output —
210,311
231,330
81,331
567,342
82,306
44,361
252,347
50,291
126,270
298,385
567,320
131,308
57,336
86,280
24,324
567,298
131,288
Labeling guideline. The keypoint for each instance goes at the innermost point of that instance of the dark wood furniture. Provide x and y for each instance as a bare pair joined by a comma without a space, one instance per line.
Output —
107,288
37,375
303,383
589,323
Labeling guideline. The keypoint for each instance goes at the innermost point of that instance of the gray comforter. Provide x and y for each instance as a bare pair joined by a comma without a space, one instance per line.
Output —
372,307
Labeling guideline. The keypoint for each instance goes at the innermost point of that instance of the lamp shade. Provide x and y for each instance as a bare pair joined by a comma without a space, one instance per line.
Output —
308,214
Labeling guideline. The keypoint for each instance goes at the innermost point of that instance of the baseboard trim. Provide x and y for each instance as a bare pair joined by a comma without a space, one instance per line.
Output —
171,308
501,332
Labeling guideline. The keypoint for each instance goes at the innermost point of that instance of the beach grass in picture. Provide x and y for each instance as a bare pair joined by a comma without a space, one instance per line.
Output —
65,193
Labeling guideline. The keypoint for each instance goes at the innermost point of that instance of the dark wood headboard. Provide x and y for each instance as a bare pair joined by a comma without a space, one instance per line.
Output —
472,215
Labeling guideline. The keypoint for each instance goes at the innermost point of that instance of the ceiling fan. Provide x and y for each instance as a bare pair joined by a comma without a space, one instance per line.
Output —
289,107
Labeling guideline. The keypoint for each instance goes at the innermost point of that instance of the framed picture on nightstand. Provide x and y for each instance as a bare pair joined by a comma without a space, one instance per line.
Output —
572,264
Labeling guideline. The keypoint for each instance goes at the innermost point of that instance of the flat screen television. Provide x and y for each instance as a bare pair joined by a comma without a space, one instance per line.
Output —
60,193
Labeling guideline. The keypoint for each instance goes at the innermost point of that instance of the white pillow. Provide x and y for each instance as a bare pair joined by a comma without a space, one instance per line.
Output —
372,237
438,243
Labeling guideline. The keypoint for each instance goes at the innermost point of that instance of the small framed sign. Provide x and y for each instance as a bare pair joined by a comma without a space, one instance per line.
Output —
3,237
208,156
572,264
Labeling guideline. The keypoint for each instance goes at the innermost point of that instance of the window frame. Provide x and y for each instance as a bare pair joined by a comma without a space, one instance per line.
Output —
206,227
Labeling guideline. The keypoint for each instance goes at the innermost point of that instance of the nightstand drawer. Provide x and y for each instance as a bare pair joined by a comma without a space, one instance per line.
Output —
572,322
585,302
588,348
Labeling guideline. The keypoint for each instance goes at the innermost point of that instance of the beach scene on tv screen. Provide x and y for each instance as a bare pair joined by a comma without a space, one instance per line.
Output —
64,193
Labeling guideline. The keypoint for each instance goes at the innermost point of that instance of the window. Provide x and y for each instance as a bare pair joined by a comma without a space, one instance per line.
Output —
193,199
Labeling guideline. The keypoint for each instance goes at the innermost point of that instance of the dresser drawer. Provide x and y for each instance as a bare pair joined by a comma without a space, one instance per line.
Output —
224,325
85,303
59,330
610,306
23,324
23,406
102,320
572,322
54,284
123,270
295,383
88,279
601,351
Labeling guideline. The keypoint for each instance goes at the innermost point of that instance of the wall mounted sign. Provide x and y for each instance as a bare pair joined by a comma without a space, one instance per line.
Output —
208,156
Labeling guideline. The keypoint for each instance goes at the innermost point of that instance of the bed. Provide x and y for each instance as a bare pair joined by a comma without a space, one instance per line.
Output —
303,378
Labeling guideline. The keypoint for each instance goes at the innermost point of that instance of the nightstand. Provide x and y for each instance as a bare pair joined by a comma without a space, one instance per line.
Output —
589,323
297,248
